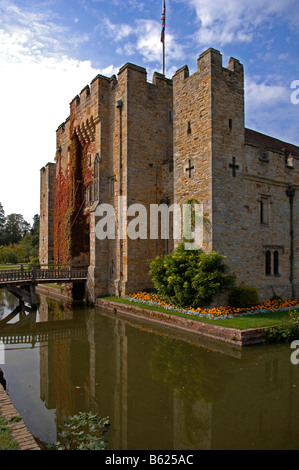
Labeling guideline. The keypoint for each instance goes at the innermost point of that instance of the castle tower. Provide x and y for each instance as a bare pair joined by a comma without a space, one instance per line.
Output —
115,150
243,179
47,195
208,135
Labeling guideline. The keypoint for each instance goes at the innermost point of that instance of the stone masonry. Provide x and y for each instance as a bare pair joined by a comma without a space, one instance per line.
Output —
169,141
47,193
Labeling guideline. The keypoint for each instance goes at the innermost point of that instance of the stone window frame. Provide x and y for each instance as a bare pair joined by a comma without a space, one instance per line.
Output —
112,268
96,177
265,156
272,255
111,185
264,208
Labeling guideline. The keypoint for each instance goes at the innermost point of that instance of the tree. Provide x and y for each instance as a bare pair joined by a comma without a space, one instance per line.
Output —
34,233
2,223
15,228
190,278
35,226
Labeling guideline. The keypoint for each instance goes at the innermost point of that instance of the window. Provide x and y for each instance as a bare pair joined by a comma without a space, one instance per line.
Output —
275,263
96,178
230,124
263,212
88,195
268,263
112,268
264,209
272,254
111,183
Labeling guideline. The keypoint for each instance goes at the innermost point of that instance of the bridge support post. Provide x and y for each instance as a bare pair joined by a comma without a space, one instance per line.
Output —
33,296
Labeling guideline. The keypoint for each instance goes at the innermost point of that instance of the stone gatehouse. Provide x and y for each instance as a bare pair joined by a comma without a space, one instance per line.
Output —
167,141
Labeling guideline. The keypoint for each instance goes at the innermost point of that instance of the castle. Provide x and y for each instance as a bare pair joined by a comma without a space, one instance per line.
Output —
167,142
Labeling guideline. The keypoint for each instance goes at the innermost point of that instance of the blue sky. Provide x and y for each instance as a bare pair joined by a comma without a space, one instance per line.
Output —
51,49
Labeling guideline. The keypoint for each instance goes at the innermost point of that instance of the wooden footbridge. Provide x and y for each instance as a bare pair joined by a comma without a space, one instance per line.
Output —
23,281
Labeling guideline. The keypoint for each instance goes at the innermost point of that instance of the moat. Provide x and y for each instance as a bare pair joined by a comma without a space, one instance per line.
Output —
159,390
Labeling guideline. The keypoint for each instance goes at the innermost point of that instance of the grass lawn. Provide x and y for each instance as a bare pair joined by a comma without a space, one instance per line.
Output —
6,442
9,267
56,286
258,320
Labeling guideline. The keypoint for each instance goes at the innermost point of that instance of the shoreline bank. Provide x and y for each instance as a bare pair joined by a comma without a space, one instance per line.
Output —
233,336
19,431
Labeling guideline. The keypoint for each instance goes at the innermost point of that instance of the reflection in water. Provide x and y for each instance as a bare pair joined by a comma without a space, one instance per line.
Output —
2,379
160,391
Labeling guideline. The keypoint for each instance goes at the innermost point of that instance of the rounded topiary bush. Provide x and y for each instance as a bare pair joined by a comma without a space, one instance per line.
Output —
243,297
190,278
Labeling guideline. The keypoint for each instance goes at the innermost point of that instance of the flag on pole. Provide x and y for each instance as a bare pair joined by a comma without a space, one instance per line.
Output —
163,22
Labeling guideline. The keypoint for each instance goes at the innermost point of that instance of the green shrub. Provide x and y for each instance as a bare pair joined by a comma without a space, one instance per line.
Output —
34,262
243,297
84,431
285,332
190,278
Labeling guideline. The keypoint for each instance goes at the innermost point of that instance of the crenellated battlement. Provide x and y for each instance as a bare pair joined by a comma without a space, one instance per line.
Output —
209,64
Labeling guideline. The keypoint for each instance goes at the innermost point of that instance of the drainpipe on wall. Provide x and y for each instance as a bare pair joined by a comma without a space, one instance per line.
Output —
119,105
290,192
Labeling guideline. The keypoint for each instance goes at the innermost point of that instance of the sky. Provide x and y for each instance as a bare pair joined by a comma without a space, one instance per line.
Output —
51,49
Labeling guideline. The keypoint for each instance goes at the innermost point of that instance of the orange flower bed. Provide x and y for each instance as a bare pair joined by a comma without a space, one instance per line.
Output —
216,312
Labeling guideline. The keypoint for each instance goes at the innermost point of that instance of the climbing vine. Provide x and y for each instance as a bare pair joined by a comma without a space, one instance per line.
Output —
71,218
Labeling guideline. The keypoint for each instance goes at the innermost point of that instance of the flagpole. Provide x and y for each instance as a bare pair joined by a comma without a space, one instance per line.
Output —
163,36
163,58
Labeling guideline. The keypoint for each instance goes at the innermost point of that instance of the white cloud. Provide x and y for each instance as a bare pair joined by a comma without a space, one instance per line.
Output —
35,97
145,39
231,21
37,86
269,109
119,31
259,93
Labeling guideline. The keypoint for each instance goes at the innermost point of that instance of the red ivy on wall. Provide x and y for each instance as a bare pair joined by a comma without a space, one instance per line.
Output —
71,220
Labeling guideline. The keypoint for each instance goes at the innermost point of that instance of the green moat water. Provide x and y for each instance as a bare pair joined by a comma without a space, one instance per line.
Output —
159,390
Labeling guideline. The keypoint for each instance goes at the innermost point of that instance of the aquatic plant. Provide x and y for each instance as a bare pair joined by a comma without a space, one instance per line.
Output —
83,431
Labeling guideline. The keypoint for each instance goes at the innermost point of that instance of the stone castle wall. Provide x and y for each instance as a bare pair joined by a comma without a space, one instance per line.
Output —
234,173
170,141
47,192
101,158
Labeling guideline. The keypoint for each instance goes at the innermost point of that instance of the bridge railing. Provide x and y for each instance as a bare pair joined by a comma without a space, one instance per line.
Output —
72,273
14,275
37,274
